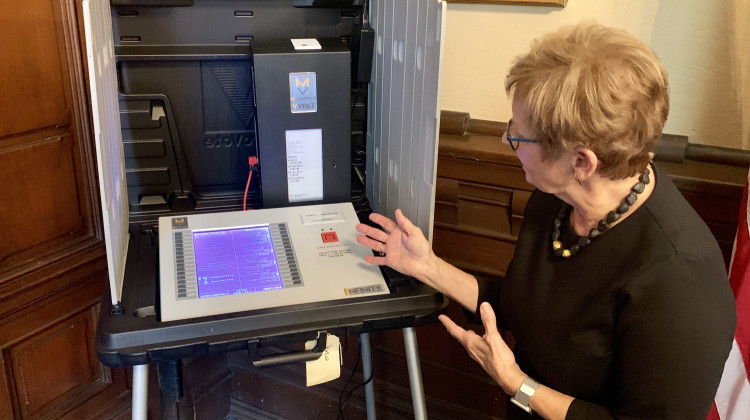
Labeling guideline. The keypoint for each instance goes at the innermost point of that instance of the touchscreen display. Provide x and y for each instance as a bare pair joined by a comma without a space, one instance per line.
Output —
235,261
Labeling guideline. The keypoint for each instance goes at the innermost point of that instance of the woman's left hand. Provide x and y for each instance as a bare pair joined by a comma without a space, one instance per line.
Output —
489,350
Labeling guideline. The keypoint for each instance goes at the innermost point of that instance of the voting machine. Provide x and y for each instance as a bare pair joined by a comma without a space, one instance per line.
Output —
238,144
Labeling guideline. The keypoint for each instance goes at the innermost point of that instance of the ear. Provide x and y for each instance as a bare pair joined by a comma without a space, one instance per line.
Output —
584,163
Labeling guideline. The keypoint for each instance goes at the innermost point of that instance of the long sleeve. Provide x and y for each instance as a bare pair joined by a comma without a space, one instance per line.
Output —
489,291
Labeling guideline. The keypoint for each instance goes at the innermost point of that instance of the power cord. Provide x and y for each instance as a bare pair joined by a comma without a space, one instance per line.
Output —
253,162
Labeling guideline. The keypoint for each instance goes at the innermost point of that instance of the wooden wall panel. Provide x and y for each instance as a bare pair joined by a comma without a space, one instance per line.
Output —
43,312
5,407
43,195
31,68
472,250
66,349
50,360
474,215
471,203
481,172
53,280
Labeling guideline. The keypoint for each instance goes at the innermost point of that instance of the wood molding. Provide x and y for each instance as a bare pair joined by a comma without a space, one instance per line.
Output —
51,274
5,405
670,148
75,378
81,104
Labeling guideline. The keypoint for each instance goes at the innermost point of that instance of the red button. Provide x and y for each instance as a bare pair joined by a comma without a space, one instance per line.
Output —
329,237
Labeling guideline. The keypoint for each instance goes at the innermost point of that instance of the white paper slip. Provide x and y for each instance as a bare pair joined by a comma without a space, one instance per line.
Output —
306,44
328,366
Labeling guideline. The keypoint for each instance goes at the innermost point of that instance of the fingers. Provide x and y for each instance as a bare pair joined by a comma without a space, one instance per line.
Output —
389,225
383,221
371,243
488,318
453,329
371,259
372,232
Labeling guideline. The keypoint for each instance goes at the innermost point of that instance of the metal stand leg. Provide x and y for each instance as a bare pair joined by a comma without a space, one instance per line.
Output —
415,374
364,348
140,392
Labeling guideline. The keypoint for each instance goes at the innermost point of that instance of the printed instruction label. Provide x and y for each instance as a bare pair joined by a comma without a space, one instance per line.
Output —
303,92
322,217
338,250
304,165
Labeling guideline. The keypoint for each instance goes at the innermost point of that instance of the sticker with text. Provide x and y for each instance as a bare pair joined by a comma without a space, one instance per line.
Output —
364,290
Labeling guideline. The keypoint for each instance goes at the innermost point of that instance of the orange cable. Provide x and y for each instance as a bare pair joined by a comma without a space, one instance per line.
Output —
252,161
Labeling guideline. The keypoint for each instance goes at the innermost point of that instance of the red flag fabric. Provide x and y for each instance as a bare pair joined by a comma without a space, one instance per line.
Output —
732,400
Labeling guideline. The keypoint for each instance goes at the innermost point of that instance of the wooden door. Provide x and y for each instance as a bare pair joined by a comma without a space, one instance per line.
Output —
52,259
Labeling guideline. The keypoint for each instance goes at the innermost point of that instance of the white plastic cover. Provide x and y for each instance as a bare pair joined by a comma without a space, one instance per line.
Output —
109,151
404,108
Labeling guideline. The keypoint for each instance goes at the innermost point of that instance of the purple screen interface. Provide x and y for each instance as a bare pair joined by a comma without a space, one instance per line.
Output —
235,261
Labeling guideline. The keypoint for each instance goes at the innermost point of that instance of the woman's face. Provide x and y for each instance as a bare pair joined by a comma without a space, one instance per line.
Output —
550,176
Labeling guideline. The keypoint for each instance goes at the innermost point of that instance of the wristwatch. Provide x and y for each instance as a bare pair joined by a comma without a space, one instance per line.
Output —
524,394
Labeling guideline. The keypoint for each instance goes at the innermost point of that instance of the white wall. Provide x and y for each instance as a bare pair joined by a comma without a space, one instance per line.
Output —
704,45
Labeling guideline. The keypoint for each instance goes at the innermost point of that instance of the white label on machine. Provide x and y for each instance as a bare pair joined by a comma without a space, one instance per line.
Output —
304,165
306,44
321,217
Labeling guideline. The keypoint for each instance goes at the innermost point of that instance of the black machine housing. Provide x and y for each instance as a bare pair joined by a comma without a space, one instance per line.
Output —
187,102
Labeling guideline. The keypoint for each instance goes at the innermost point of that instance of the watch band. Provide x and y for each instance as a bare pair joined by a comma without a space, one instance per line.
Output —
524,394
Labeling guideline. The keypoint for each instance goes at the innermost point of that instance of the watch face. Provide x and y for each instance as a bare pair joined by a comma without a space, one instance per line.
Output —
529,386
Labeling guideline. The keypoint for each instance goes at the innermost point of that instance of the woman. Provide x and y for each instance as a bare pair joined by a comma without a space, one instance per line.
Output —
617,294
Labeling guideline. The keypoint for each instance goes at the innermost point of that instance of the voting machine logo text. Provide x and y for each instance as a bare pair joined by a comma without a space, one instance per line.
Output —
303,92
179,223
364,290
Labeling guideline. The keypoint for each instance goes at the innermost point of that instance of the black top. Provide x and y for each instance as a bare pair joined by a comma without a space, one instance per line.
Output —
636,325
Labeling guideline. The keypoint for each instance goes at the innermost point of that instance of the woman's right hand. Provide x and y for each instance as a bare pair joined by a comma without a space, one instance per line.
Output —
405,247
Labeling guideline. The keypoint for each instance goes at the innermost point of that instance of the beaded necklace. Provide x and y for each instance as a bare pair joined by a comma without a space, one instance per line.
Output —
603,224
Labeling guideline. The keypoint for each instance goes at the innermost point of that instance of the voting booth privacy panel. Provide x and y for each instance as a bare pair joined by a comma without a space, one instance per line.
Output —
311,113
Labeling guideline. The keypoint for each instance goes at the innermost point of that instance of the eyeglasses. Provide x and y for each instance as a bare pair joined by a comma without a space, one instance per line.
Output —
516,140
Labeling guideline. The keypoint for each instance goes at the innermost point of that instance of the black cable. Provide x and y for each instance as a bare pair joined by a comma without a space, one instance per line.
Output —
356,388
351,376
348,381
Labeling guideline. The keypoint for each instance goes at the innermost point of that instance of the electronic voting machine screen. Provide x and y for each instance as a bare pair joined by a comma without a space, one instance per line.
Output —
218,263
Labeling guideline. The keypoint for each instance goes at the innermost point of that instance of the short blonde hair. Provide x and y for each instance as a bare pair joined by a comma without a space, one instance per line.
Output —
595,87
